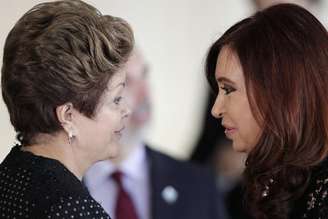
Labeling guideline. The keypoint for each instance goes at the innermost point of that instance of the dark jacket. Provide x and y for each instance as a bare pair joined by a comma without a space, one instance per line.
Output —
182,190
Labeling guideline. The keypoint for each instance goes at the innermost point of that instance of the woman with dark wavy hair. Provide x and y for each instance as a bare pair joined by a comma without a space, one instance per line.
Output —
271,75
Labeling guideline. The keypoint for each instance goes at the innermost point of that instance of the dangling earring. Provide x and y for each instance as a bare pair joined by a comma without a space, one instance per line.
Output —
70,138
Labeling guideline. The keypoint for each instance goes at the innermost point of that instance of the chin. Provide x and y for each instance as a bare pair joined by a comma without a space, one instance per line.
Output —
113,152
240,148
107,154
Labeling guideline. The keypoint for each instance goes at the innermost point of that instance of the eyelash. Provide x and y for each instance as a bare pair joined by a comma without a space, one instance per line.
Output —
117,100
227,89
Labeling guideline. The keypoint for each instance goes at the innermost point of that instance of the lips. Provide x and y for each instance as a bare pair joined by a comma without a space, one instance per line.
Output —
229,130
119,132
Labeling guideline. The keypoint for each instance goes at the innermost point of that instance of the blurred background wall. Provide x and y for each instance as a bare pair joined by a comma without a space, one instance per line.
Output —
174,36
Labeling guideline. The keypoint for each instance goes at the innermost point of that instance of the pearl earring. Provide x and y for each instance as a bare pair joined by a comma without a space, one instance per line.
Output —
70,138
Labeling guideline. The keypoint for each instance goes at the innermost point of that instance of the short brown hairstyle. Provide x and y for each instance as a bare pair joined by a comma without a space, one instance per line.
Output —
58,52
283,51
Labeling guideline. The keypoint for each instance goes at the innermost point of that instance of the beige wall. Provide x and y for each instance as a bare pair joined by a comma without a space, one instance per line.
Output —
174,36
10,12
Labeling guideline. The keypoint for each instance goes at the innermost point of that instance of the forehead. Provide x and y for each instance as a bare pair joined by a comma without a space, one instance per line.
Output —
228,65
117,79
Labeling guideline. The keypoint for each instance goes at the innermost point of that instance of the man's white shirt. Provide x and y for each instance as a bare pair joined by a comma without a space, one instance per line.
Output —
135,179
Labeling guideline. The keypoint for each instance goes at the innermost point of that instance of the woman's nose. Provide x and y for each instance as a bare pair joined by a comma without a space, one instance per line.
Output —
218,109
126,110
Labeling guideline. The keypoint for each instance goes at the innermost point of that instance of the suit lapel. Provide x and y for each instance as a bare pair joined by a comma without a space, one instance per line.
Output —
164,194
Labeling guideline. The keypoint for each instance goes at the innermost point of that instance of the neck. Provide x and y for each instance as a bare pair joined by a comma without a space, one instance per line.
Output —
130,142
64,153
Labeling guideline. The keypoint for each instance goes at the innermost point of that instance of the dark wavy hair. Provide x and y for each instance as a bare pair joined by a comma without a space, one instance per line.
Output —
283,51
58,52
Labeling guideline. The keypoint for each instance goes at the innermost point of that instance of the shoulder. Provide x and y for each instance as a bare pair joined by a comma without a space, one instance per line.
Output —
73,207
315,199
42,193
193,185
189,178
64,198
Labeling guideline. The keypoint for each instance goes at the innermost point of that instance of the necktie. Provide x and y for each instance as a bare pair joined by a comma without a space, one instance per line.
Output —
124,205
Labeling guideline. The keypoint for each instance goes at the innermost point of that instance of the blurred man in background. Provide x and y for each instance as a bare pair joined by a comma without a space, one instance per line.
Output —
146,184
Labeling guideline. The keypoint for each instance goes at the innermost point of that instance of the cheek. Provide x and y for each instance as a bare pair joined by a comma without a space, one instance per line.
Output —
253,132
106,121
250,130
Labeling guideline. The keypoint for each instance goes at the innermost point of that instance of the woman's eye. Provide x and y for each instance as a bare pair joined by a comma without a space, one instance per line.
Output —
117,100
227,89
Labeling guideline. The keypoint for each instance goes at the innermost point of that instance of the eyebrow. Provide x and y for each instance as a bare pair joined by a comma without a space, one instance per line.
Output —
225,80
122,83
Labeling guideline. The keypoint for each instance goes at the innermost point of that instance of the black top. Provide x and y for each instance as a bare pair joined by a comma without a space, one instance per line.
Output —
314,203
37,187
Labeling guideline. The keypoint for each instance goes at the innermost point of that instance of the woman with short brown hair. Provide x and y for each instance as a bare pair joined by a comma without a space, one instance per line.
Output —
62,81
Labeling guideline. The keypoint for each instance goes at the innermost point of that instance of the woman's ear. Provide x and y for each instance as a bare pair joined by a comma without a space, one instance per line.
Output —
65,115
